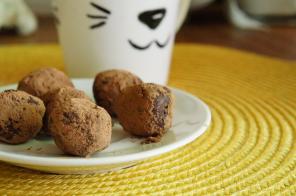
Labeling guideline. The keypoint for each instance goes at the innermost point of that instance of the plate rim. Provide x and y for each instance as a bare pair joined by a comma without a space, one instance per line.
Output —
96,161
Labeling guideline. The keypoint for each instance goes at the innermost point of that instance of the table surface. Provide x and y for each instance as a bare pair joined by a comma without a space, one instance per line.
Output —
208,26
249,148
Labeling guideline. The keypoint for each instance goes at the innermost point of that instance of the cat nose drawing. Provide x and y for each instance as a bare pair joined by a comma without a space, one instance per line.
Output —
152,18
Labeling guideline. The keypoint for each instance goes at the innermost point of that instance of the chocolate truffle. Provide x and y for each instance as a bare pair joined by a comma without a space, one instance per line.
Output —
43,81
57,98
109,84
20,117
80,127
145,110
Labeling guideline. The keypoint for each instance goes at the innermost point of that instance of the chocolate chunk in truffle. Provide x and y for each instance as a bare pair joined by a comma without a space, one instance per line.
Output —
145,110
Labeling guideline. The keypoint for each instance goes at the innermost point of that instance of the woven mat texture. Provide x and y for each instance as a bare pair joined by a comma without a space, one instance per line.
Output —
250,147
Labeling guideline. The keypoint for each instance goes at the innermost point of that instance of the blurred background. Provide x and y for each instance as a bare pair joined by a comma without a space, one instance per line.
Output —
260,26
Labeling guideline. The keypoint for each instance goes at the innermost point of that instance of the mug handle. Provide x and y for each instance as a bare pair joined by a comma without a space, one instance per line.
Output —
184,7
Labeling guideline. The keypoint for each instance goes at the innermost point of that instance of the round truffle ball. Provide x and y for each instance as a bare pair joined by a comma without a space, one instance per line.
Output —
20,116
109,84
56,99
43,81
145,110
80,127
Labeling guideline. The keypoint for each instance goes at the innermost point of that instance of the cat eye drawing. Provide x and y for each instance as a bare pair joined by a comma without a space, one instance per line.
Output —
152,18
101,17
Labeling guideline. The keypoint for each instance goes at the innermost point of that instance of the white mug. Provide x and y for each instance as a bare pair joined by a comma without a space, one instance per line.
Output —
135,35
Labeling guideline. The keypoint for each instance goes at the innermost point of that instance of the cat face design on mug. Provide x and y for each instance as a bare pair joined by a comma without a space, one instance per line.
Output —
134,35
149,20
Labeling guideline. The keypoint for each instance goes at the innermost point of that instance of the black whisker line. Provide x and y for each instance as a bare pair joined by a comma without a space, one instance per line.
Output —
100,8
97,25
96,17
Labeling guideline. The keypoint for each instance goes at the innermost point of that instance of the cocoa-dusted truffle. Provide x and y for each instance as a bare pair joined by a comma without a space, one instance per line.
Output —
20,116
58,98
43,81
145,110
109,84
80,127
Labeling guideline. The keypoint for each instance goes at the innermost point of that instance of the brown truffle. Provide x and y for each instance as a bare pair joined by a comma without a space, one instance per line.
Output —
57,98
43,81
20,117
109,84
80,127
145,110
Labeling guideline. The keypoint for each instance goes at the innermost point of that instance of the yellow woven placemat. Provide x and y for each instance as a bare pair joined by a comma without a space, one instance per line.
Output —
250,147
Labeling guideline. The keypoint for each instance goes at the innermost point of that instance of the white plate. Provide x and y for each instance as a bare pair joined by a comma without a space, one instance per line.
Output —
191,119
